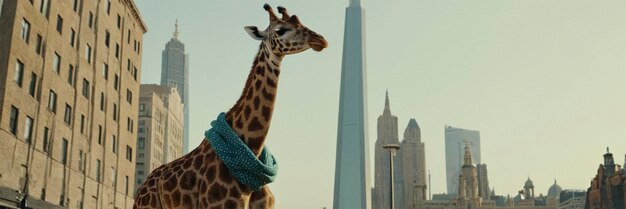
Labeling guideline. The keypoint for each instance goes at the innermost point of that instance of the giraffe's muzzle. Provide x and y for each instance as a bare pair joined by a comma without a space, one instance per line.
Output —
317,42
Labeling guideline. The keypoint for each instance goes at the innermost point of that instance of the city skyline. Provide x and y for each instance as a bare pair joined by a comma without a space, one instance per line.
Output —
529,85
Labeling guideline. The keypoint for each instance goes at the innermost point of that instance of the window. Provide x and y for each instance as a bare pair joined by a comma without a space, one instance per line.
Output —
19,73
14,120
108,7
100,134
129,153
128,65
107,38
28,128
75,6
129,96
128,37
114,112
73,38
105,71
82,124
88,53
43,7
86,88
117,51
113,176
56,63
141,130
46,139
64,152
135,45
52,101
39,45
140,155
25,30
116,82
102,101
59,24
119,21
135,74
67,118
113,144
138,47
80,160
141,143
127,185
98,171
90,20
33,84
70,75
129,125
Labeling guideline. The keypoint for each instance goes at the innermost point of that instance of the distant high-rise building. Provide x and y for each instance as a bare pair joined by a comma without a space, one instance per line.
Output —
69,86
352,173
387,133
160,129
483,182
413,157
455,139
175,72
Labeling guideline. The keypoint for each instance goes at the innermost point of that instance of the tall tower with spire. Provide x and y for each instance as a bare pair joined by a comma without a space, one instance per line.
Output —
352,173
175,72
387,133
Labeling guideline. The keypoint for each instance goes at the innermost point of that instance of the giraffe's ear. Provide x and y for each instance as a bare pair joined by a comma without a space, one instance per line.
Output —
255,33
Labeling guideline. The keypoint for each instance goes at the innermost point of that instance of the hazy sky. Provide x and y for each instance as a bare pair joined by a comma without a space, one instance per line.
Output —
544,82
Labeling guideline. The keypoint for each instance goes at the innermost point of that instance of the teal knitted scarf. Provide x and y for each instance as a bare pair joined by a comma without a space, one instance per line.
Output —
242,163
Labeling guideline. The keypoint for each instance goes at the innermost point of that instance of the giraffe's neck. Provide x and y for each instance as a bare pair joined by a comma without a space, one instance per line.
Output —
250,117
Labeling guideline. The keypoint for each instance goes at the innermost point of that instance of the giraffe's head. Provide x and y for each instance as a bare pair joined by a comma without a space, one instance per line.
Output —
286,35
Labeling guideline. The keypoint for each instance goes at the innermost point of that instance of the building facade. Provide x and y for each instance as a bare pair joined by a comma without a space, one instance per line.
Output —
483,182
352,172
468,196
572,199
160,129
175,72
413,156
387,133
607,189
455,139
69,80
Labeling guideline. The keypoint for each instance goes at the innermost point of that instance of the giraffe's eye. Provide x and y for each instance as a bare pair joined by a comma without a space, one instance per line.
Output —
282,31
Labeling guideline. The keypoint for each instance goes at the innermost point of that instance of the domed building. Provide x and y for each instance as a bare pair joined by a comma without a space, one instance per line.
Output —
555,190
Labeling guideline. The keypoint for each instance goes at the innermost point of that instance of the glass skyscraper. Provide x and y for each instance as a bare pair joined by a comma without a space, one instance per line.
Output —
352,173
456,138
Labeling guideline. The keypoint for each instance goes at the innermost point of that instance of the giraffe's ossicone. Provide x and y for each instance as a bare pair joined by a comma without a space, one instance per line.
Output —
200,179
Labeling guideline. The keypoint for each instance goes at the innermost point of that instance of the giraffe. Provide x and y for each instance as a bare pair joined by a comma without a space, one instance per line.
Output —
200,179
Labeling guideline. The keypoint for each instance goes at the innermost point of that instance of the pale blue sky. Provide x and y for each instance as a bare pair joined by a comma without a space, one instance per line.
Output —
542,80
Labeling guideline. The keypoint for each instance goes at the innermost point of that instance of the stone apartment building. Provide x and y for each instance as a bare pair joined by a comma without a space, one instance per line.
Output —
606,190
69,84
160,129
